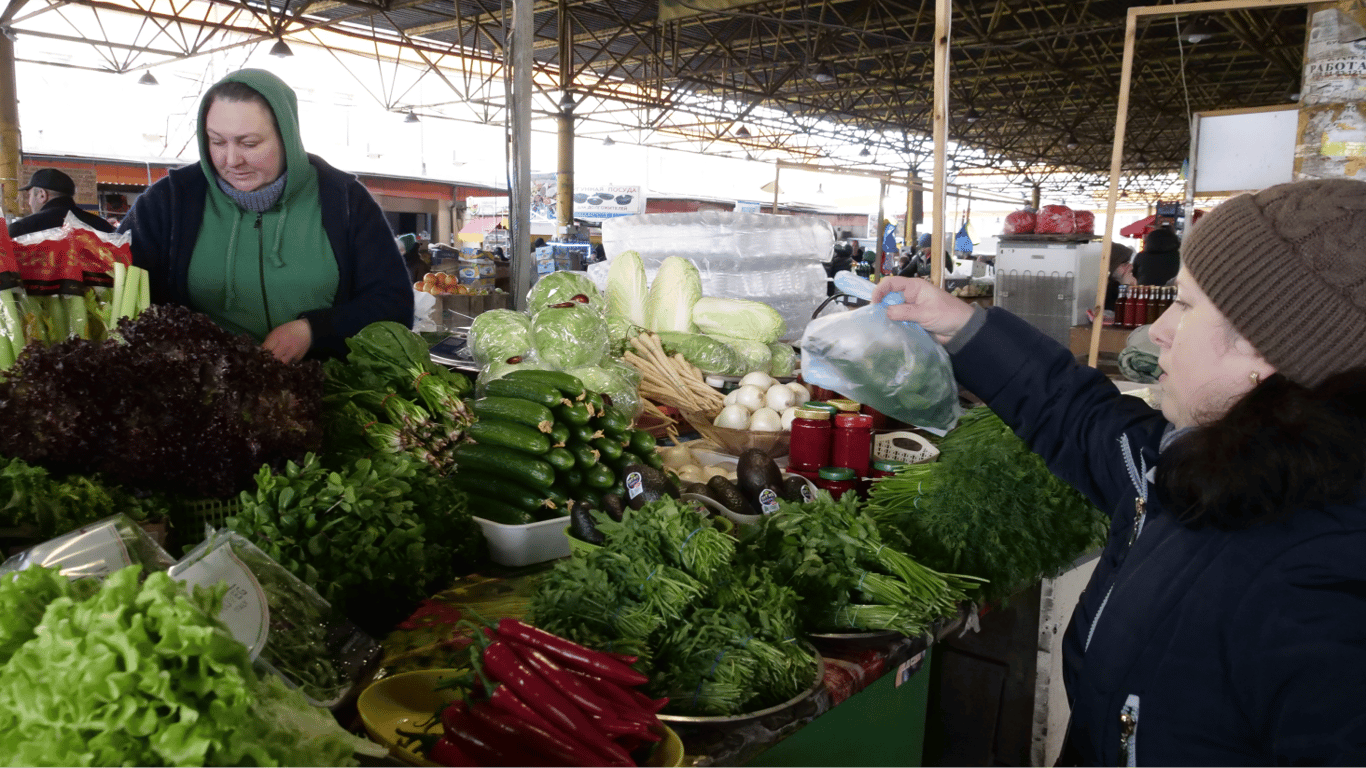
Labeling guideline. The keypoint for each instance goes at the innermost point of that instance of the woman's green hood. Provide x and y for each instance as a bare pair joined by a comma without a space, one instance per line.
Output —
285,105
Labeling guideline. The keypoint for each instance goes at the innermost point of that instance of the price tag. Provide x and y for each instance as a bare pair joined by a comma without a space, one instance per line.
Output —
97,552
245,609
909,667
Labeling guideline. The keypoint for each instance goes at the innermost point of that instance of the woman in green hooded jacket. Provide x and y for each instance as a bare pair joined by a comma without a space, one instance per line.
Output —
265,238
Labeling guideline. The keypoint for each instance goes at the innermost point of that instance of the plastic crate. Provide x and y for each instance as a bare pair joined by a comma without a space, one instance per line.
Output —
904,446
213,513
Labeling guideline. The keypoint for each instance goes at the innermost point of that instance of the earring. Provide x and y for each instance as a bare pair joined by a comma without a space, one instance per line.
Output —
1255,378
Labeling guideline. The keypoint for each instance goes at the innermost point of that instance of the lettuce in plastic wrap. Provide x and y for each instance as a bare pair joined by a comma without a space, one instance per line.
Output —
627,288
755,355
676,288
565,288
610,381
740,318
499,335
783,361
708,354
138,673
569,337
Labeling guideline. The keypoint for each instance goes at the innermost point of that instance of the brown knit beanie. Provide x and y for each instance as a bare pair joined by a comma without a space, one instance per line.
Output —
1287,266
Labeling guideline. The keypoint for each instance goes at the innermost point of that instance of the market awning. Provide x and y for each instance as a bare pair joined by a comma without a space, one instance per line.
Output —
1140,228
475,229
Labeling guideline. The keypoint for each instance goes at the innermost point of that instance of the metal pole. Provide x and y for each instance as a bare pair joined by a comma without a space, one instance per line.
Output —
11,146
943,11
520,203
881,214
564,179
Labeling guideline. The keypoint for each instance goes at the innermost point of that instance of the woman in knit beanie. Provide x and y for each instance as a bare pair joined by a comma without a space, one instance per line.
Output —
1225,620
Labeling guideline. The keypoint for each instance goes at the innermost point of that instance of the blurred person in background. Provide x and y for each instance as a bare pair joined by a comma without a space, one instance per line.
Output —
51,196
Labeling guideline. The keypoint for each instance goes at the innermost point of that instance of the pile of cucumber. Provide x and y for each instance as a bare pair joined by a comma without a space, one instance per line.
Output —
543,443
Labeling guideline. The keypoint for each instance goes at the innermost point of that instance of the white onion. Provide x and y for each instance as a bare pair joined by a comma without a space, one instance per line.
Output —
733,417
780,398
803,394
676,456
758,379
690,474
749,396
729,398
712,471
788,416
766,420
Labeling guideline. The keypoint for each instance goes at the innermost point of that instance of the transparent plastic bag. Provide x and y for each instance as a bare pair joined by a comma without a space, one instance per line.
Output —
499,335
893,366
289,628
95,550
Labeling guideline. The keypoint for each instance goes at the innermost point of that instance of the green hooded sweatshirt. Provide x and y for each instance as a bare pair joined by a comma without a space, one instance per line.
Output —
252,272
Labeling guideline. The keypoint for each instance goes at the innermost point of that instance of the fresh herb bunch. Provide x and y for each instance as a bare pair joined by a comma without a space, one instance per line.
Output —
830,552
180,405
31,496
389,397
357,536
716,638
989,507
174,687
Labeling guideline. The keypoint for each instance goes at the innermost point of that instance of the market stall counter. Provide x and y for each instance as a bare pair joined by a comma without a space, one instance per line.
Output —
868,708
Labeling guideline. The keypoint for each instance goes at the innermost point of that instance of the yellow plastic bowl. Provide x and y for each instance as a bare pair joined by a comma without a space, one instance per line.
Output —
405,701
669,752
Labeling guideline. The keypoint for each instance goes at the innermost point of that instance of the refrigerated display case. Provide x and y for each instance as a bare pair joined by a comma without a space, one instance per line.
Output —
1048,280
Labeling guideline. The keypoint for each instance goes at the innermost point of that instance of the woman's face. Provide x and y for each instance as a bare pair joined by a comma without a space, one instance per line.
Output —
1206,364
244,146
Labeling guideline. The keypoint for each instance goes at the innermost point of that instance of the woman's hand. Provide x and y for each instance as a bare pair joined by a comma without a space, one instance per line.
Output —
927,305
289,342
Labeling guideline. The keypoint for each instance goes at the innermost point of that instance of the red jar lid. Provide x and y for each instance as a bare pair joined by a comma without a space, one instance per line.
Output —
854,420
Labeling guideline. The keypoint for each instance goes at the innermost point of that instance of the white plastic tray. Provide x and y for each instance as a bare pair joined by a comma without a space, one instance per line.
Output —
516,545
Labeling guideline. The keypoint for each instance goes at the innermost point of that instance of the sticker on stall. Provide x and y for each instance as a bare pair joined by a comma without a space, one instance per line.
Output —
245,609
909,667
96,552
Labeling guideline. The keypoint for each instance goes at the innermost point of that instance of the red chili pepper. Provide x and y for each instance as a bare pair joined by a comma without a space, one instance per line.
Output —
646,703
624,658
571,653
445,752
502,663
615,729
575,690
606,689
505,700
559,750
483,746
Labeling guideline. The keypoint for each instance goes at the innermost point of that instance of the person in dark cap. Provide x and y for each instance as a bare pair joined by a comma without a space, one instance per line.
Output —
1160,259
1223,623
51,197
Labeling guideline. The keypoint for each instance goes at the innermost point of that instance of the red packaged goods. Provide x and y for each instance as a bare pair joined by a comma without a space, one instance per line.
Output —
1056,220
1086,221
1020,223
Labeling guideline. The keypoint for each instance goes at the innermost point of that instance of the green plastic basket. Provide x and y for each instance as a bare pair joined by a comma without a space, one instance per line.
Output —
208,512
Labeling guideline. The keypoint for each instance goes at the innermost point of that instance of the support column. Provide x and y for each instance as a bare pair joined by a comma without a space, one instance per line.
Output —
11,148
564,178
523,266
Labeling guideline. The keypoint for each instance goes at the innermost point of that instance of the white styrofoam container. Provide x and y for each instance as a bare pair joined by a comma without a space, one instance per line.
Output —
525,544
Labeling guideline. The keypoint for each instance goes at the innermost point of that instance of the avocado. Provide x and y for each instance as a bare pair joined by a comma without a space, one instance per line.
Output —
796,490
760,480
696,488
644,484
613,506
582,525
722,490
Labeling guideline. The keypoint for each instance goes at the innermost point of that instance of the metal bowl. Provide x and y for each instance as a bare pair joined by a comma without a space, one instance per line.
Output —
778,711
837,642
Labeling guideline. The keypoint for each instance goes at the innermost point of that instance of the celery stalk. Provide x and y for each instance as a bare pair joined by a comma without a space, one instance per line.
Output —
129,299
116,297
7,352
12,320
77,322
144,290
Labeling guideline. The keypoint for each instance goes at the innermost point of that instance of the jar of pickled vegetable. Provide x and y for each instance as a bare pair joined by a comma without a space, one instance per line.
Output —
852,443
837,481
887,467
845,405
809,446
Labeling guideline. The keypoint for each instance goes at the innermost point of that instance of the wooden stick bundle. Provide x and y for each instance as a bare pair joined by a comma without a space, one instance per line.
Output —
670,380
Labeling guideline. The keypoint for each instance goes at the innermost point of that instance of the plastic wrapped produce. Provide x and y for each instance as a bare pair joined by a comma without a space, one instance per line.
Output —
1085,221
783,361
95,550
754,355
1056,220
559,288
500,335
708,354
569,337
1020,223
775,260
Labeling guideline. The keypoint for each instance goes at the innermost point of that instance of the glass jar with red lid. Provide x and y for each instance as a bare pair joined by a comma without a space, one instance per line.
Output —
852,442
809,445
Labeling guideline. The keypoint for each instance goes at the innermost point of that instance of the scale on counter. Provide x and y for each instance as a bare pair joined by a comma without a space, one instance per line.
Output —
453,352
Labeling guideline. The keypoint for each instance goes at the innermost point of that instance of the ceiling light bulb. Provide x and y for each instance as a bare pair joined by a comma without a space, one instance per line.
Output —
281,49
148,79
607,142
1072,142
972,115
743,132
411,118
864,152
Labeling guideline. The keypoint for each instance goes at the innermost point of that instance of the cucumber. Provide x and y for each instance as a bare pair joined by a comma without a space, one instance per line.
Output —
559,497
592,496
504,462
599,477
559,434
614,424
515,410
584,455
510,492
642,443
567,384
549,513
584,433
654,459
518,437
498,511
559,458
576,414
534,391
571,478
608,449
595,404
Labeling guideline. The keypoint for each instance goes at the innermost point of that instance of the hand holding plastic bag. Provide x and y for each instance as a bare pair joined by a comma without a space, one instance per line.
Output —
895,367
